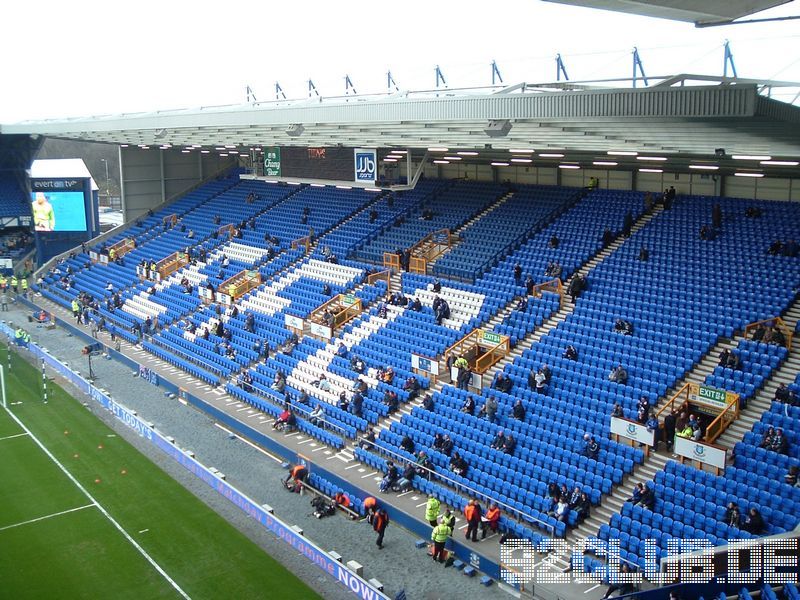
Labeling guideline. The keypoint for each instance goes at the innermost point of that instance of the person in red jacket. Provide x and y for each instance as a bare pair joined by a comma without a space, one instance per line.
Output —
473,513
341,499
379,523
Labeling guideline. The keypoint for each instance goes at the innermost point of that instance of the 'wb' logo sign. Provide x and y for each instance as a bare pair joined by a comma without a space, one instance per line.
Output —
365,165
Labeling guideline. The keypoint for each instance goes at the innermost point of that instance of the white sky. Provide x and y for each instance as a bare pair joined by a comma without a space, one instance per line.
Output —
90,57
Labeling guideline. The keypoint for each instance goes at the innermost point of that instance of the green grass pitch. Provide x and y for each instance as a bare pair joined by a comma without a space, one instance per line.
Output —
57,543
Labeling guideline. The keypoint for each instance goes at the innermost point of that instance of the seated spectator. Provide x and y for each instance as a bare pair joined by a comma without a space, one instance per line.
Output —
407,444
469,406
732,516
357,404
792,476
447,445
286,421
390,478
411,386
529,285
386,375
382,310
367,440
360,386
322,383
779,442
279,382
343,402
652,426
561,510
624,327
644,254
591,448
406,479
357,364
518,411
553,269
390,400
502,383
554,242
510,444
618,375
517,273
522,304
437,286
458,465
540,382
423,465
570,353
622,586
583,508
415,305
491,520
754,522
766,439
427,402
499,440
617,411
317,416
341,350
648,498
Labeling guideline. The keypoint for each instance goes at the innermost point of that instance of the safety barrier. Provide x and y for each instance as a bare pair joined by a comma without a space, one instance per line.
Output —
340,572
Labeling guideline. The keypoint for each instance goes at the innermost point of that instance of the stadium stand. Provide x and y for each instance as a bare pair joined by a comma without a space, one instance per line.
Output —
689,294
14,201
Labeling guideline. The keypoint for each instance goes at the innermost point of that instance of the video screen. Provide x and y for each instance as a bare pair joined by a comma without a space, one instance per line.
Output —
58,211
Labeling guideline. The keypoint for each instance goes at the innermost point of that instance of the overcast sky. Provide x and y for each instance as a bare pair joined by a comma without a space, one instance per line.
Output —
80,58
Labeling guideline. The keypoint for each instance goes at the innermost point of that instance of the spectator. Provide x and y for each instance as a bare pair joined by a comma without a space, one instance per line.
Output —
286,421
502,383
317,416
779,442
624,327
427,402
390,400
499,440
732,516
591,448
517,273
583,508
652,426
648,499
576,286
447,445
766,439
407,444
754,522
322,383
489,409
458,465
621,584
367,441
608,237
561,510
357,404
391,477
510,444
518,411
617,411
554,242
406,479
570,353
411,386
791,476
618,375
469,406
522,304
491,520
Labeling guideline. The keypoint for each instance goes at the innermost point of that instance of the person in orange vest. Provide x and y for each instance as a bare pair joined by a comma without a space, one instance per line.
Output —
370,505
490,520
341,499
379,524
298,474
473,513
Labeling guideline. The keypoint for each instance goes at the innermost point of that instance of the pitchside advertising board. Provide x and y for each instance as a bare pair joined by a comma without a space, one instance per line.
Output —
701,452
366,165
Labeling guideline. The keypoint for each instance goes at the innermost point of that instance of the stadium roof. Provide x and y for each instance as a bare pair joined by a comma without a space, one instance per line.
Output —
706,12
679,116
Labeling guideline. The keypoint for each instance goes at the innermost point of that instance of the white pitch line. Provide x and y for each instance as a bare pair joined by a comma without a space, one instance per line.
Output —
11,437
119,527
421,505
369,475
594,587
58,514
351,467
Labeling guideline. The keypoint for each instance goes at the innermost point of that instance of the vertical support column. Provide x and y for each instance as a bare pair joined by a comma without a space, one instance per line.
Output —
163,182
